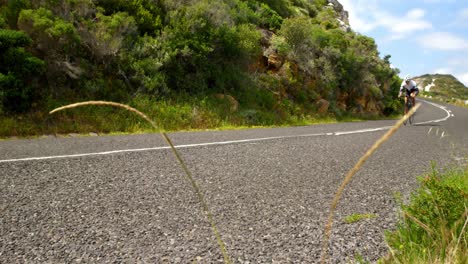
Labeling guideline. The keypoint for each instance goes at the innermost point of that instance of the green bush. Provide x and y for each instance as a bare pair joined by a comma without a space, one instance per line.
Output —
43,26
433,226
17,69
268,18
11,10
440,198
147,13
2,21
12,38
298,34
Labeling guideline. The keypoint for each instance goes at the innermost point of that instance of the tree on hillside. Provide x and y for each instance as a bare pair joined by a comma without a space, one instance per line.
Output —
148,14
10,11
55,40
18,70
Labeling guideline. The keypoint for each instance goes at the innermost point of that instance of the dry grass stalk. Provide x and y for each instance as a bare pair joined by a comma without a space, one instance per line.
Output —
455,249
188,174
390,256
418,222
131,109
350,175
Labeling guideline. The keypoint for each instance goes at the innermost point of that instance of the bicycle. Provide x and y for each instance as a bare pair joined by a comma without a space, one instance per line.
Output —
408,106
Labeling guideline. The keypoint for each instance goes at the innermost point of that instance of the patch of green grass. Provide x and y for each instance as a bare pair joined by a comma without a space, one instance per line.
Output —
359,259
350,219
181,113
398,197
433,226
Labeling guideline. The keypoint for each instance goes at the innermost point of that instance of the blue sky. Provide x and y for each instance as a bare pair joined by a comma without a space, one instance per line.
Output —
422,36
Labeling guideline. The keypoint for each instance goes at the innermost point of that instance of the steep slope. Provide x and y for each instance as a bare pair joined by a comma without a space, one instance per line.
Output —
240,62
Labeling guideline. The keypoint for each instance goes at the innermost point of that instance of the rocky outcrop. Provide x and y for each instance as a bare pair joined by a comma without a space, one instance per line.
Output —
271,58
232,103
322,106
342,14
266,37
275,61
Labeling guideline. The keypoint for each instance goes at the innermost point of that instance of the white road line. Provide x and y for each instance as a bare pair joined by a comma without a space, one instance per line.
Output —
228,142
362,131
83,154
438,120
160,148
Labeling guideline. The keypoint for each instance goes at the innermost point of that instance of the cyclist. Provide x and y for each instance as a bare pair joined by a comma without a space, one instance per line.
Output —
410,88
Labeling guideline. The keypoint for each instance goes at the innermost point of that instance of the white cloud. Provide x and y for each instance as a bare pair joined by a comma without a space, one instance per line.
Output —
411,22
416,13
463,13
408,26
459,61
443,41
462,18
365,16
456,65
463,77
443,71
357,13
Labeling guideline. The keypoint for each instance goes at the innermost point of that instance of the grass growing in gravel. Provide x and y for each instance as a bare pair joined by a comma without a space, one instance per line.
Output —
433,226
350,219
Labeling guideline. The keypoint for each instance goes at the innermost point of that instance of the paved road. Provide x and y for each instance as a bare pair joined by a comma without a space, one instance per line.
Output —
123,199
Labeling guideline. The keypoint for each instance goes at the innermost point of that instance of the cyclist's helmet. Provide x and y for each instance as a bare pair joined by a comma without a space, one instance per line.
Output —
407,78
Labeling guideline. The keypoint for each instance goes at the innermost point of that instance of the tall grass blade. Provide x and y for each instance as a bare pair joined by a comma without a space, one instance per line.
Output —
188,174
461,235
351,174
419,223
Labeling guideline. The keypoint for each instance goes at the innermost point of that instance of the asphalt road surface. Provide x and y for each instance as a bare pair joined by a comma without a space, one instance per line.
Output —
124,199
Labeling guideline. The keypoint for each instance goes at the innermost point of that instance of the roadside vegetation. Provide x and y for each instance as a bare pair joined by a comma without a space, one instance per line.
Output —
433,225
189,64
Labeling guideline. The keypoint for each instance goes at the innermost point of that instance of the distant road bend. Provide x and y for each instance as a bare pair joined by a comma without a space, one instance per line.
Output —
124,199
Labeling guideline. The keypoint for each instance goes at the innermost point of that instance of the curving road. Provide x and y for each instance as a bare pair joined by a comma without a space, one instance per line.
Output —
123,199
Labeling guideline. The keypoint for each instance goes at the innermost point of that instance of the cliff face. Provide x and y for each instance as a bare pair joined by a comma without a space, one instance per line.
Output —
338,7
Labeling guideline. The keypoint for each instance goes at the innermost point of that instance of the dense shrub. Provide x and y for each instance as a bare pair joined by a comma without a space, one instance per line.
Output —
432,229
17,69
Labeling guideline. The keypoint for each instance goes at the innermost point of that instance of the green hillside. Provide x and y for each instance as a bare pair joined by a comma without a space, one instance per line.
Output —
443,87
187,63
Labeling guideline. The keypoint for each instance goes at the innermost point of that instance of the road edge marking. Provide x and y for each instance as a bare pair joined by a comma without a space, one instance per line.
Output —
369,130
